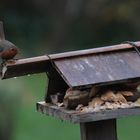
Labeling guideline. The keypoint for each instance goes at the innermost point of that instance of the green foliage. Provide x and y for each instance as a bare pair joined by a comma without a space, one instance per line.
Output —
40,27
9,102
128,128
32,125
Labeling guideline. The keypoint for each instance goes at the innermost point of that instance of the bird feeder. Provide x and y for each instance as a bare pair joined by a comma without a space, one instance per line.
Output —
83,70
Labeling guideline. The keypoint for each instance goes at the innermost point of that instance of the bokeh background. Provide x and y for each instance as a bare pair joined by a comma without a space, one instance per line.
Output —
41,27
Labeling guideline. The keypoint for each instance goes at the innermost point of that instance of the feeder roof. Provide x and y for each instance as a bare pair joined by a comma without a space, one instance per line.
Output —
99,68
89,67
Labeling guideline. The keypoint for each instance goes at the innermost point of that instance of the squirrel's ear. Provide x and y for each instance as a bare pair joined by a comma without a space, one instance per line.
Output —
2,36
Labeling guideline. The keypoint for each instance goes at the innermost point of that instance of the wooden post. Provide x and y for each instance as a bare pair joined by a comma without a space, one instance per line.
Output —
99,130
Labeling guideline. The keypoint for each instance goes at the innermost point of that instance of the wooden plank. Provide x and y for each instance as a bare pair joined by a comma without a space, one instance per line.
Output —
52,110
76,117
55,84
25,66
119,47
99,68
39,64
99,130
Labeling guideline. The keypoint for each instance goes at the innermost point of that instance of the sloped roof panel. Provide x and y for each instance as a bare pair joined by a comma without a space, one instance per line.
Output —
99,68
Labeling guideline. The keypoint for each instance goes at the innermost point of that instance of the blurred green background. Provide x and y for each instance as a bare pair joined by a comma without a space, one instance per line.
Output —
41,27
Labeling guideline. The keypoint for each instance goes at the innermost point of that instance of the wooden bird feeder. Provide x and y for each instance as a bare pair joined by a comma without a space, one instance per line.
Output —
82,70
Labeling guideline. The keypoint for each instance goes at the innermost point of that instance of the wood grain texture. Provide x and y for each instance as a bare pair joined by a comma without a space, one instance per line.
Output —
99,130
76,117
99,68
73,101
39,64
25,66
55,84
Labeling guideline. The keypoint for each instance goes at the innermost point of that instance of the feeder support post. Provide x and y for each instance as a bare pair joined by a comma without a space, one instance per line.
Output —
99,130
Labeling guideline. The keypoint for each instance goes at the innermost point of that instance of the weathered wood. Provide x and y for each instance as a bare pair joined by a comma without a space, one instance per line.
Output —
57,98
79,117
99,130
40,64
55,84
25,66
99,68
72,102
119,47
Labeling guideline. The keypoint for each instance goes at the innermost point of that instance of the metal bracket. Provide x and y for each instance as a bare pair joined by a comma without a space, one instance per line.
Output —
136,47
